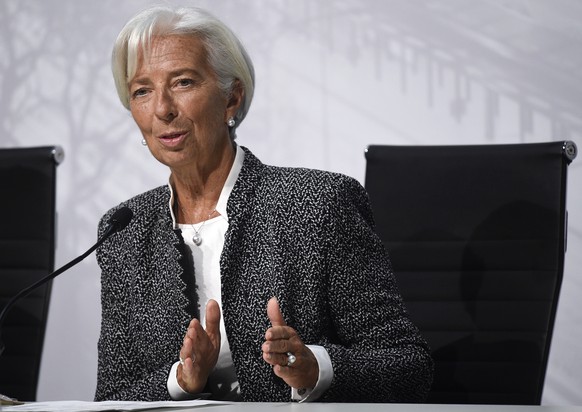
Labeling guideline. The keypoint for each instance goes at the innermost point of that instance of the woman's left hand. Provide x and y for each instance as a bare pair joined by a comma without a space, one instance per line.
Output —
281,340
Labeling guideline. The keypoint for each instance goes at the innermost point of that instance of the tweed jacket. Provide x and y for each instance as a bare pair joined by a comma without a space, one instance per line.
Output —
303,235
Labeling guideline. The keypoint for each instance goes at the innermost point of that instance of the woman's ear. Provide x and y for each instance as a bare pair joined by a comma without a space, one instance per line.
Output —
235,99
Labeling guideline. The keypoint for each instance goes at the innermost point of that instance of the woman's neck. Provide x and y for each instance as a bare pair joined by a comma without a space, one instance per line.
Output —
196,190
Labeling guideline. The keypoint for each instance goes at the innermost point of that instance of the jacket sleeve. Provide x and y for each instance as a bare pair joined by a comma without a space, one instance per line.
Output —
124,373
379,354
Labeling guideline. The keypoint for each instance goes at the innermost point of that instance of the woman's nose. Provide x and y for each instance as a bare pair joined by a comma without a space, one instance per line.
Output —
165,106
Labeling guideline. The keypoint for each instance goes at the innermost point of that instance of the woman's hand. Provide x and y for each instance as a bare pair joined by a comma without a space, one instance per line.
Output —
199,351
280,340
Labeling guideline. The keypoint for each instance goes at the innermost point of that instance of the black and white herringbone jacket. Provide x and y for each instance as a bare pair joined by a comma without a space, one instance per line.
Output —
303,235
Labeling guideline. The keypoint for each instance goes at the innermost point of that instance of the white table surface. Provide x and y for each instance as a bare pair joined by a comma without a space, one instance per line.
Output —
197,406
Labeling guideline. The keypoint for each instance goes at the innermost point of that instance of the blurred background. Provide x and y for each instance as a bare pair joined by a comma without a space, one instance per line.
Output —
332,78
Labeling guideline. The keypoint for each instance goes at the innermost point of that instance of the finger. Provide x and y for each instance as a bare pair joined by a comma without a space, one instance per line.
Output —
194,328
274,313
278,346
187,349
283,371
276,359
188,368
281,333
212,317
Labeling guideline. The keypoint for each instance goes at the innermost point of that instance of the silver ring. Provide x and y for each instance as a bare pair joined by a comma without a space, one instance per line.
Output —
290,359
181,361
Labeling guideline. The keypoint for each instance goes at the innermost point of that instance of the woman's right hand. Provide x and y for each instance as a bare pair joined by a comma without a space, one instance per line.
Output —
199,351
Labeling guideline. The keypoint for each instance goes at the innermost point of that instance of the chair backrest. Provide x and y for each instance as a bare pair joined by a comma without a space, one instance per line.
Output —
27,246
477,237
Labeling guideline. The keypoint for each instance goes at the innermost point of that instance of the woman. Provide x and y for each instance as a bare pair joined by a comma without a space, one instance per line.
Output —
225,275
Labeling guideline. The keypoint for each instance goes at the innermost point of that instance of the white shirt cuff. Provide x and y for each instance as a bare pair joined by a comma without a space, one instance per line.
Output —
174,389
323,381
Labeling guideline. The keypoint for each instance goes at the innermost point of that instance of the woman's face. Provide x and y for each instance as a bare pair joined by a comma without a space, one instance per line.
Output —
176,103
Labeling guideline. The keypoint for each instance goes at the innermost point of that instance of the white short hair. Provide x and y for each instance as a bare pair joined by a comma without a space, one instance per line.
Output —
226,54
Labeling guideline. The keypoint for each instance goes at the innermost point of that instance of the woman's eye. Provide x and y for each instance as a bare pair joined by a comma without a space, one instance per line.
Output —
139,93
185,82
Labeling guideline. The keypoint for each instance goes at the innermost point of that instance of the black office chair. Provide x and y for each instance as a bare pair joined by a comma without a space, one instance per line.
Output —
27,247
477,236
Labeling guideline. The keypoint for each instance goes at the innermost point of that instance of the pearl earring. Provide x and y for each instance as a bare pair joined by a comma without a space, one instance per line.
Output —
230,122
143,142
